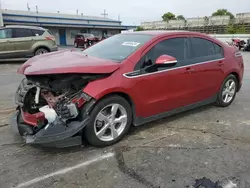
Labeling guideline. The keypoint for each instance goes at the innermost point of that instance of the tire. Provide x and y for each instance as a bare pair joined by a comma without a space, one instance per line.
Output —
41,51
221,98
76,45
95,126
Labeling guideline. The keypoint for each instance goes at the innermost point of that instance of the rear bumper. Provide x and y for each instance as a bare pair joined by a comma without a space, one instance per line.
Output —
56,134
54,49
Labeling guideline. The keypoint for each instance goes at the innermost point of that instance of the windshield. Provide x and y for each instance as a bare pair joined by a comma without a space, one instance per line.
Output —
118,47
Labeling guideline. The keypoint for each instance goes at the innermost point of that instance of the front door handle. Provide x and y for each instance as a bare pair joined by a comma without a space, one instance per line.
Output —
221,63
189,70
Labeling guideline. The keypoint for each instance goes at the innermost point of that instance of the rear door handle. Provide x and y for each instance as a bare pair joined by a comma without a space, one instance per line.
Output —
221,63
189,70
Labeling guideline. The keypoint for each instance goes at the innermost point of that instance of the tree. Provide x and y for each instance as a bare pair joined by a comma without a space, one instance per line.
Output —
223,12
231,29
236,29
168,16
139,28
241,29
180,17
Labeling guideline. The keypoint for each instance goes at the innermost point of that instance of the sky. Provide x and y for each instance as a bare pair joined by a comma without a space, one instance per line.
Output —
132,12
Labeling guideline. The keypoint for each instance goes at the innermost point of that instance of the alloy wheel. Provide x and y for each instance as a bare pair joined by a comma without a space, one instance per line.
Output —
229,90
110,122
41,51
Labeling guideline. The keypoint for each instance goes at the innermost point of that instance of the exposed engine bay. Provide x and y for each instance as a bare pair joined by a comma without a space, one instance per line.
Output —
44,99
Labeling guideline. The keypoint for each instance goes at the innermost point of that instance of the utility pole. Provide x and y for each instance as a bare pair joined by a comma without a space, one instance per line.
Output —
118,17
28,7
77,12
104,14
36,9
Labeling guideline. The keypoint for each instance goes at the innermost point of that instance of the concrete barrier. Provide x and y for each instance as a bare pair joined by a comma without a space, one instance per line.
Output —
229,37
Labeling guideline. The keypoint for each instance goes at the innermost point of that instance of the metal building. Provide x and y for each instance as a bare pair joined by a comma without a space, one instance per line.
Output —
63,26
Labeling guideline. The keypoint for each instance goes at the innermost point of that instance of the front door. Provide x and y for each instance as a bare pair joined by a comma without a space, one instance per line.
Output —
163,89
62,34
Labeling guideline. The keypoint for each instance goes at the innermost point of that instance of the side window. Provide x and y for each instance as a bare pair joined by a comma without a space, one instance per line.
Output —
176,47
21,32
5,33
202,47
218,50
173,47
37,32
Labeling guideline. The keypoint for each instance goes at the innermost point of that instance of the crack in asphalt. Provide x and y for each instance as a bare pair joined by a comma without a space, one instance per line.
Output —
180,148
140,179
129,171
13,144
3,125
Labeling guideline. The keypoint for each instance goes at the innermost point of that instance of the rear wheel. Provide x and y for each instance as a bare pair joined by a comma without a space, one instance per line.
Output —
109,121
227,91
40,51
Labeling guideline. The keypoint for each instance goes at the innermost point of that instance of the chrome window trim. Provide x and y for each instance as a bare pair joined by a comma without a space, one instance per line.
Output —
170,62
147,74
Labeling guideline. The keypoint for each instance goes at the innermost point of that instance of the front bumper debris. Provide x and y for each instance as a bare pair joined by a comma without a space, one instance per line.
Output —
56,134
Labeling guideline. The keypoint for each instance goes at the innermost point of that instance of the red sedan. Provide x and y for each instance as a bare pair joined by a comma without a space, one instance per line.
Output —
128,79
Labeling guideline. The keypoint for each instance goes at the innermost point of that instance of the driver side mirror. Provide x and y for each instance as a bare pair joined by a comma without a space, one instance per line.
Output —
166,60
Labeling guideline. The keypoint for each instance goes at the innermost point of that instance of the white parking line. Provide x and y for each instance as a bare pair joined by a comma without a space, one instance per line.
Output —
65,170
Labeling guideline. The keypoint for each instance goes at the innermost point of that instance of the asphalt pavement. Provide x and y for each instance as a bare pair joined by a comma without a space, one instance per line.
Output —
206,145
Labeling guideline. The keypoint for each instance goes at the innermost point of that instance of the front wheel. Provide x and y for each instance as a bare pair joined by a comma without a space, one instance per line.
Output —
109,121
76,45
227,91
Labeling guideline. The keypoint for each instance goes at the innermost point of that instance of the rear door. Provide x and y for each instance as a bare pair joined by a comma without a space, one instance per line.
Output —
6,44
23,40
208,61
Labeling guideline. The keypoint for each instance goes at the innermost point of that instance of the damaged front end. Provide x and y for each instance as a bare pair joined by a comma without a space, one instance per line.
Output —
53,109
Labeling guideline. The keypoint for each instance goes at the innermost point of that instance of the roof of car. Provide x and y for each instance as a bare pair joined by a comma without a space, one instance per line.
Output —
24,26
161,32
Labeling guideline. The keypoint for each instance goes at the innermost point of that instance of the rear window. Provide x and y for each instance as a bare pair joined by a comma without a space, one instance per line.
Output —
218,49
37,32
202,47
205,50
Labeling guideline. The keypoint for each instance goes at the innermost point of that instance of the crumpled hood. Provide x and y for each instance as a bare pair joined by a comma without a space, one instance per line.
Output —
66,61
